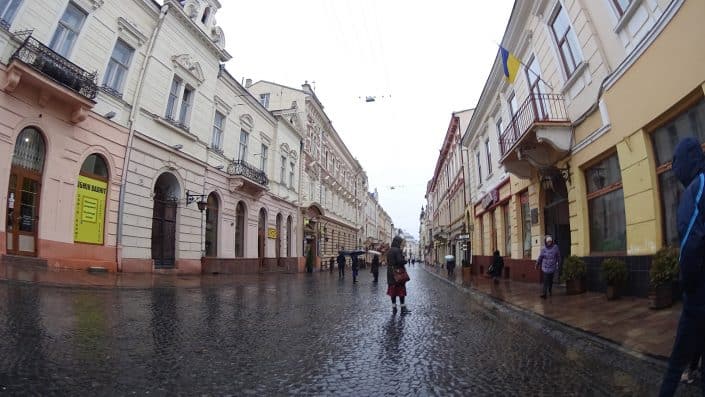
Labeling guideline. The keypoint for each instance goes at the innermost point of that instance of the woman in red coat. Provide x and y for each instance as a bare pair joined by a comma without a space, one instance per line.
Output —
395,263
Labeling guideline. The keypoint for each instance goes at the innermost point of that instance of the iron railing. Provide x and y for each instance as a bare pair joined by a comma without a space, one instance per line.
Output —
46,61
242,168
537,108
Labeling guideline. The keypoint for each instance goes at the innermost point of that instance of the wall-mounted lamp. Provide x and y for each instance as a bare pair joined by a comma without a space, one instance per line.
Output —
109,115
178,146
190,198
219,166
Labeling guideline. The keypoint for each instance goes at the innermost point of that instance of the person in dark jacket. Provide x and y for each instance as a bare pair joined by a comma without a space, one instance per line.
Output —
331,264
355,267
450,266
374,268
497,266
341,264
549,260
395,261
689,167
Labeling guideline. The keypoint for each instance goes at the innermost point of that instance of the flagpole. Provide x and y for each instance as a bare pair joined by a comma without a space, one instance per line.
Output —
526,67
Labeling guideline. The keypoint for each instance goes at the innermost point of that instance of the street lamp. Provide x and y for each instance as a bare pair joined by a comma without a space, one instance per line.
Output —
201,204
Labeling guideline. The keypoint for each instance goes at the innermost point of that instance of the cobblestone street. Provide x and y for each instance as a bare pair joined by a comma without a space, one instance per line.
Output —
290,334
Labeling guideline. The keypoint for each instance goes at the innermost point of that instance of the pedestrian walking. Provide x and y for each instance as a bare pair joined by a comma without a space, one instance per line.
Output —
549,261
341,264
396,275
331,264
689,167
355,267
450,266
495,270
374,268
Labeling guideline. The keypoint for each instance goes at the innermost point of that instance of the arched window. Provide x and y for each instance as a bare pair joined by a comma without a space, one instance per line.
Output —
240,215
91,195
288,236
206,14
212,225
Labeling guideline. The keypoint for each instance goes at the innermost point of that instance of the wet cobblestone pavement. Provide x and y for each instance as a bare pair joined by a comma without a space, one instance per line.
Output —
292,334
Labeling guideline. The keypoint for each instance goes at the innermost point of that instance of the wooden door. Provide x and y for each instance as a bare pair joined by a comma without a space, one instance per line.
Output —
23,212
164,233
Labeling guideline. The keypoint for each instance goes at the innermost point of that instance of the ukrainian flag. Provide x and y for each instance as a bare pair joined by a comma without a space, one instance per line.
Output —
510,64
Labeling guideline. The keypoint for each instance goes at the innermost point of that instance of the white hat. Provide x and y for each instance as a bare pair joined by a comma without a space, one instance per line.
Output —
549,238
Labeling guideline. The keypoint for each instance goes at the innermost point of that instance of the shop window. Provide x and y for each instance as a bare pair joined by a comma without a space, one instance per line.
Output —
606,206
525,225
689,123
507,231
493,232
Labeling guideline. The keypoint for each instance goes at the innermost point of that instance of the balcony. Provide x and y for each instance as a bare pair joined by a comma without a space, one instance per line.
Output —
38,66
245,177
539,135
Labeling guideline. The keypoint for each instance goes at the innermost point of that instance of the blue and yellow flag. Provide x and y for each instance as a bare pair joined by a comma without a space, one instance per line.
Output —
510,64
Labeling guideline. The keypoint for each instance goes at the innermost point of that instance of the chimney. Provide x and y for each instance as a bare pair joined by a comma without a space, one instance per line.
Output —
248,83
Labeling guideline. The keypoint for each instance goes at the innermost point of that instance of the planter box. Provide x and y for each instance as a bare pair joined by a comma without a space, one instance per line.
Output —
662,297
574,287
467,275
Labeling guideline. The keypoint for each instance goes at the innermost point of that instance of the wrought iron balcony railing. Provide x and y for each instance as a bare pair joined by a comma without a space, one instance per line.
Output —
537,109
242,168
46,61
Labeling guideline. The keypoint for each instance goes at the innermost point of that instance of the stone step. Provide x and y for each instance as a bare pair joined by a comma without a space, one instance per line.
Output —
23,260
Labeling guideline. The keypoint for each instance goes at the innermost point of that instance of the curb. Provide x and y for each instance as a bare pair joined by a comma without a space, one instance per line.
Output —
493,303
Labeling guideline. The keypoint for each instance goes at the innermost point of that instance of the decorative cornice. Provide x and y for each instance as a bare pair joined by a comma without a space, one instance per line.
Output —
89,5
130,30
187,64
222,105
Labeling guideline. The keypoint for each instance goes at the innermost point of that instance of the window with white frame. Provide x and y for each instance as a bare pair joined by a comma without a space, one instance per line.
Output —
489,156
186,105
291,175
218,126
118,66
264,153
8,9
479,166
264,99
566,40
242,150
282,170
67,30
621,6
173,98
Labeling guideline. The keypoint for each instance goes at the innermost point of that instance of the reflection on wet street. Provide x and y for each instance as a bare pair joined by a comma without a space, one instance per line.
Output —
286,334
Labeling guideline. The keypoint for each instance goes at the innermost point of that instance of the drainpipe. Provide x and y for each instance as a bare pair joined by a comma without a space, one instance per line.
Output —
131,132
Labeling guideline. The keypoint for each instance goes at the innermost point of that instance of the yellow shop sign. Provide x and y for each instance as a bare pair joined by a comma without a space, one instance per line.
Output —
89,218
272,233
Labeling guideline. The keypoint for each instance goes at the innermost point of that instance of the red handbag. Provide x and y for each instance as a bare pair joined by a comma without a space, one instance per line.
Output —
401,276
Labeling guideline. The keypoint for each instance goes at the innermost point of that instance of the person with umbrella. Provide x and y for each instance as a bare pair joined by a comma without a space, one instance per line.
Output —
450,265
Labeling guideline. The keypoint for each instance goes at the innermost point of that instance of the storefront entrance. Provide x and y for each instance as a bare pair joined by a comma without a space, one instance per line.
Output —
24,192
166,194
556,214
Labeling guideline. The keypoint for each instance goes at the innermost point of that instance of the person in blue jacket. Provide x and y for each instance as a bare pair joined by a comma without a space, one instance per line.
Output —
689,167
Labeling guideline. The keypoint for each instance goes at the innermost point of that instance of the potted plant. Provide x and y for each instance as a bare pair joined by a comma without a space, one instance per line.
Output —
614,272
664,270
573,274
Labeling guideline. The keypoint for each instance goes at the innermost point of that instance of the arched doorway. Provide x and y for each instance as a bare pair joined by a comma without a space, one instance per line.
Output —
24,190
279,236
166,196
240,215
556,211
212,209
262,236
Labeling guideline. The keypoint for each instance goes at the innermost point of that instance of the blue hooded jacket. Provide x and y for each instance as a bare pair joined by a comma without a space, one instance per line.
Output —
689,168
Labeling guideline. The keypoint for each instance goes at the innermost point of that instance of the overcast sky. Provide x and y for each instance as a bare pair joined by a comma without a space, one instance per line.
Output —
422,60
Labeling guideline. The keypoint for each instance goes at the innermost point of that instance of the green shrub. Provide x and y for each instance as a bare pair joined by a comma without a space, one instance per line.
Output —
664,267
614,271
573,268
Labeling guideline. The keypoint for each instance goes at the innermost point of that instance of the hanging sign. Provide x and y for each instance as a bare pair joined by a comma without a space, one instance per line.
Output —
272,233
89,218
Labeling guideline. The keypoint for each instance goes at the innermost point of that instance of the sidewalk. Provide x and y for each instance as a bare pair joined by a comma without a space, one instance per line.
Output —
628,321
